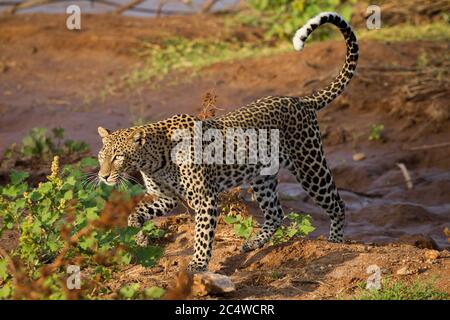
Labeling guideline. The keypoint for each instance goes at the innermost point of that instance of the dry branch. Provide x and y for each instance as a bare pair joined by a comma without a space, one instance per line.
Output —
29,4
430,146
128,6
206,7
406,175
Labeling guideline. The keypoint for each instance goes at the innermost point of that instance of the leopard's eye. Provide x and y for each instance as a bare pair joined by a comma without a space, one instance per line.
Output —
118,157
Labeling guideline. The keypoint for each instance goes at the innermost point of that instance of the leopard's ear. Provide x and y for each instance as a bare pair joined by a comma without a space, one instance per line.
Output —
138,137
103,132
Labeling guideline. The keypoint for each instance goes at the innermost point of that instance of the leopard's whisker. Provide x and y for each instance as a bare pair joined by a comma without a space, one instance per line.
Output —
132,179
85,182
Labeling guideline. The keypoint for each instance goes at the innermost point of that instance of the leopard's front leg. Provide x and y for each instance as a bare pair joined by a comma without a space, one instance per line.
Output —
205,228
147,210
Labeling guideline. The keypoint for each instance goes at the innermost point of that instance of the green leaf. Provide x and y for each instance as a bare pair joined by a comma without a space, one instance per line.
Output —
87,242
88,162
230,219
18,176
129,291
71,181
92,213
151,230
5,291
306,227
147,256
45,187
58,133
36,195
154,292
11,191
243,231
3,269
68,195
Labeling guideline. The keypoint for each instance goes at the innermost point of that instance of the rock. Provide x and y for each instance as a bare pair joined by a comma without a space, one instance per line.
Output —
291,191
359,156
420,241
403,271
211,283
431,255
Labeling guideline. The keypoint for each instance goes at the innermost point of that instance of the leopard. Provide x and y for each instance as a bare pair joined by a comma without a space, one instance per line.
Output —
149,150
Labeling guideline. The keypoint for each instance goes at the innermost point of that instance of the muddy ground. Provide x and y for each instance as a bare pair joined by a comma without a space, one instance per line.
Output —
53,77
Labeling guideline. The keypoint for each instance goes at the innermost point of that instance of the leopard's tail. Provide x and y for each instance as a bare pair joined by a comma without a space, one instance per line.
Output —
324,96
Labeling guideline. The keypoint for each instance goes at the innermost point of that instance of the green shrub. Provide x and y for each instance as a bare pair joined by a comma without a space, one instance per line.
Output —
300,226
243,227
394,290
60,222
376,132
133,291
281,18
39,143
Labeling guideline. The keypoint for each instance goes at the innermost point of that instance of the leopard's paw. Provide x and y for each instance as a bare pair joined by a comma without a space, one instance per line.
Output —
142,240
194,267
336,239
251,245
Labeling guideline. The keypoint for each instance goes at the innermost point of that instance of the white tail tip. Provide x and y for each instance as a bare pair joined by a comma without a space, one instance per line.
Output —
302,33
298,43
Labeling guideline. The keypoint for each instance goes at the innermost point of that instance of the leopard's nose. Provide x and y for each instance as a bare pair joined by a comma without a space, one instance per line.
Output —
104,176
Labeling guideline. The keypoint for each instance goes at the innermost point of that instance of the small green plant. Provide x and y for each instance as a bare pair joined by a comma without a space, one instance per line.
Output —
243,227
300,226
276,275
394,290
281,18
39,143
376,132
133,291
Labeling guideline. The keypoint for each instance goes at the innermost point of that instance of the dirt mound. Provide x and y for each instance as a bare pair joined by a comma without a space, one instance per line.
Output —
298,269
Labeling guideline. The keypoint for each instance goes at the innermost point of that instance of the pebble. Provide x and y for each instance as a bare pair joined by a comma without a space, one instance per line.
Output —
404,271
359,156
206,283
431,255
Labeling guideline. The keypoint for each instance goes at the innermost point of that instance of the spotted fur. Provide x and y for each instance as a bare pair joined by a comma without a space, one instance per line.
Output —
148,149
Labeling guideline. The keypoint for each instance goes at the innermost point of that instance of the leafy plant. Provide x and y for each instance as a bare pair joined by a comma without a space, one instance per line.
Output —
39,143
376,132
392,290
129,291
300,226
132,291
243,227
60,222
281,18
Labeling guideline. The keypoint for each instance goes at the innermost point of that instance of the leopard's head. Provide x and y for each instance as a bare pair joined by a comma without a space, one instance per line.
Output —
123,152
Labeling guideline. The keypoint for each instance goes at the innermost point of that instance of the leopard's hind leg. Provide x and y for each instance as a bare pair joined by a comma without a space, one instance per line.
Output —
309,166
265,191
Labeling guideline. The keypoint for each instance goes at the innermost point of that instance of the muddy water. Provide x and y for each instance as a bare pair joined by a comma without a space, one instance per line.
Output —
141,10
380,219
